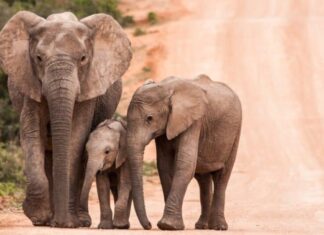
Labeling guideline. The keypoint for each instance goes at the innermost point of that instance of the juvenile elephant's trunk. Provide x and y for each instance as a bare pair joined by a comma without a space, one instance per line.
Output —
60,92
91,171
135,156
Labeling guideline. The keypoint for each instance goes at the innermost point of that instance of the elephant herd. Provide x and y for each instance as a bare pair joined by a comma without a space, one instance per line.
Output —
65,82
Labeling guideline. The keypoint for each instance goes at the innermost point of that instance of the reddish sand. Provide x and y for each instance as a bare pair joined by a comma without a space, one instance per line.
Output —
272,54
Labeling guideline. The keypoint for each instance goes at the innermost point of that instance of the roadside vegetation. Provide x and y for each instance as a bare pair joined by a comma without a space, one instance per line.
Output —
149,168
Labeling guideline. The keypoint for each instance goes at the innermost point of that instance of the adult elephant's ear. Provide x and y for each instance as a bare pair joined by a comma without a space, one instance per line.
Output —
188,104
14,53
111,55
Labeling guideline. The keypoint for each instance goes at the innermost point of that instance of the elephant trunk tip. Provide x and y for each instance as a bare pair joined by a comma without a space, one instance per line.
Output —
147,225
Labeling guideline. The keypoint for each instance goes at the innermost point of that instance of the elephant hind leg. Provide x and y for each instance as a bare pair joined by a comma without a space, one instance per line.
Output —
205,187
220,178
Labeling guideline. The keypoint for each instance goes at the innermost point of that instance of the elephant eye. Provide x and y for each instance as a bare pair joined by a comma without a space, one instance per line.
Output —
149,119
107,151
83,59
39,58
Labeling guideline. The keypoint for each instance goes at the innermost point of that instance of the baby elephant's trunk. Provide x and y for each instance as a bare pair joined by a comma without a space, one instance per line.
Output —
93,166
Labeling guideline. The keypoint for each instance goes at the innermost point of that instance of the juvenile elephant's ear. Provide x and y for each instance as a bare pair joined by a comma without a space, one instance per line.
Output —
122,151
14,53
188,104
111,55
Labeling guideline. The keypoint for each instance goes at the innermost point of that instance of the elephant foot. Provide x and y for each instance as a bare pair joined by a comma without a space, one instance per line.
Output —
218,223
202,223
85,219
105,224
121,224
39,213
71,221
120,219
171,222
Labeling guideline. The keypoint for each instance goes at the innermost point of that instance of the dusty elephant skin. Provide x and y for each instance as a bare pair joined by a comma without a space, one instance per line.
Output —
64,79
196,126
107,162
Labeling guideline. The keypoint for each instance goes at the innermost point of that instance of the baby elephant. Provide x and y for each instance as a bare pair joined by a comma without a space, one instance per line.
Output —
107,162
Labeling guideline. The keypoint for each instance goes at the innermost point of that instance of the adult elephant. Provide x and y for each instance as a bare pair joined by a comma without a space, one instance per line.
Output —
196,126
64,78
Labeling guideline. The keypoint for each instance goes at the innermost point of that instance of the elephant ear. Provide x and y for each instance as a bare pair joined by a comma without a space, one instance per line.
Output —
111,55
188,104
122,151
14,53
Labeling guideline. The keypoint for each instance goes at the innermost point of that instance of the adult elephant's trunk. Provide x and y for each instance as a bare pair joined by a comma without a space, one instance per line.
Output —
135,157
60,90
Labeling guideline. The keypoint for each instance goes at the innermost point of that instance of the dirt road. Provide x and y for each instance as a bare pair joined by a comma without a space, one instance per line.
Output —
272,54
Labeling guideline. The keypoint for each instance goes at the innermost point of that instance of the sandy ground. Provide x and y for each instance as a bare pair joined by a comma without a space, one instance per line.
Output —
272,54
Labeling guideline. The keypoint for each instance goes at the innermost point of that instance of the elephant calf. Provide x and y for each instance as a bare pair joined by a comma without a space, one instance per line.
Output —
107,162
196,126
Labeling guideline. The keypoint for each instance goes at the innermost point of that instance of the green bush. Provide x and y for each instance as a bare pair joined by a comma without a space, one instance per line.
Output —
152,18
146,69
12,178
8,189
9,119
149,168
80,8
11,195
139,32
11,164
127,21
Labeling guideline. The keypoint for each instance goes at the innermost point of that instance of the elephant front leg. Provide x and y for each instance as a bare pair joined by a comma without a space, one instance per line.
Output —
103,188
185,165
82,121
123,204
36,205
165,162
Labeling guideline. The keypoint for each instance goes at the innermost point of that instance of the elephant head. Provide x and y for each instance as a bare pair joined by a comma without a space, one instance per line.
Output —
165,108
63,60
106,149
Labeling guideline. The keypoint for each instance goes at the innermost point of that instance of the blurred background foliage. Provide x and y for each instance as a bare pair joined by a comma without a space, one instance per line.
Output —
80,8
11,158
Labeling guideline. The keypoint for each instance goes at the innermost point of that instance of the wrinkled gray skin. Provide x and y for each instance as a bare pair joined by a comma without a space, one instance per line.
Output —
64,79
196,126
107,162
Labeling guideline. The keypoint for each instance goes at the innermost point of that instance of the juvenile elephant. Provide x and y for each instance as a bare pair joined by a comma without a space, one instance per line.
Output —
64,79
196,126
107,161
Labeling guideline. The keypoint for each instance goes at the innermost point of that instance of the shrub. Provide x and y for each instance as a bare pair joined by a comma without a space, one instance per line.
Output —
11,164
80,8
139,32
9,121
146,69
127,21
149,168
152,18
12,178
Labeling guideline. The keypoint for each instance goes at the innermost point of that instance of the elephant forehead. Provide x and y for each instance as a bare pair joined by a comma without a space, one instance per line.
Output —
62,16
104,135
61,40
49,30
150,94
